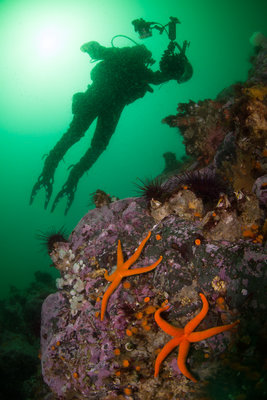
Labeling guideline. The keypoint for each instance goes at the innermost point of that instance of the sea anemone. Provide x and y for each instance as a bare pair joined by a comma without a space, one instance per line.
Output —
153,189
48,239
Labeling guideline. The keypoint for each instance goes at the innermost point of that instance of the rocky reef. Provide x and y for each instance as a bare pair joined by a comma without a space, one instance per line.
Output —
209,226
20,319
229,134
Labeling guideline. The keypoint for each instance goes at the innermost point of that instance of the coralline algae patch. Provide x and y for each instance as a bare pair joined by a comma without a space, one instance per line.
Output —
86,358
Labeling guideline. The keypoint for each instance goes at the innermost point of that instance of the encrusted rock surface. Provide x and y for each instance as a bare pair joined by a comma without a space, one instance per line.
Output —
78,358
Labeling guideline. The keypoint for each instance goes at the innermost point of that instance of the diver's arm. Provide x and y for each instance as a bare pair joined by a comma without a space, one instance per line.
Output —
157,77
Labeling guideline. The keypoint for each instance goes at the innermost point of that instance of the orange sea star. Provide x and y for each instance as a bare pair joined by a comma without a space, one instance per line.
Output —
122,271
184,336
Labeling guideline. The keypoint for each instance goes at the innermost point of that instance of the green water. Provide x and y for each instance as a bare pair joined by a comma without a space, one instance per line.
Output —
41,68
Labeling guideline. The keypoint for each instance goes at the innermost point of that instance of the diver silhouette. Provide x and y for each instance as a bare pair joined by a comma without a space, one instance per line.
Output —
121,76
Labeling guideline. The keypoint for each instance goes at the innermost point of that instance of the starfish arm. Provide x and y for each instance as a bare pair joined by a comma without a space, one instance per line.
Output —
143,269
137,253
119,255
165,326
197,336
181,360
191,325
110,277
107,294
164,352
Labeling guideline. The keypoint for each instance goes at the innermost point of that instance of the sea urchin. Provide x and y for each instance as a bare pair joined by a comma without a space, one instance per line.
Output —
153,189
48,239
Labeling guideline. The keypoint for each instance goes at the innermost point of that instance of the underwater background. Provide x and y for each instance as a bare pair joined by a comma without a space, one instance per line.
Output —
42,67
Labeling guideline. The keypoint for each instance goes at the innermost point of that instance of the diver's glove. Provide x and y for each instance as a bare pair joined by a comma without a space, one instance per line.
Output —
45,180
65,191
68,190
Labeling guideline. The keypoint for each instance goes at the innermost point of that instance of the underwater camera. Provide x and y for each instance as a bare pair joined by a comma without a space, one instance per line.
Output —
145,28
142,27
172,63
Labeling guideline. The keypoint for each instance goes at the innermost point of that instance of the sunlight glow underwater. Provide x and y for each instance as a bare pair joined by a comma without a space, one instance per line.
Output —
50,40
46,41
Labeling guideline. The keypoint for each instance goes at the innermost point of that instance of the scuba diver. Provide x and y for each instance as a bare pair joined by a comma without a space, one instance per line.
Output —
121,76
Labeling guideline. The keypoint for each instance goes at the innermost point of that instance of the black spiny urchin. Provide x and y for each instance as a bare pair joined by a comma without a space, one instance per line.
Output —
153,189
205,183
48,239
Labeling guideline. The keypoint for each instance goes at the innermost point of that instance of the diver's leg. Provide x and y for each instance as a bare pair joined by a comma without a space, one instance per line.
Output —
106,125
79,125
